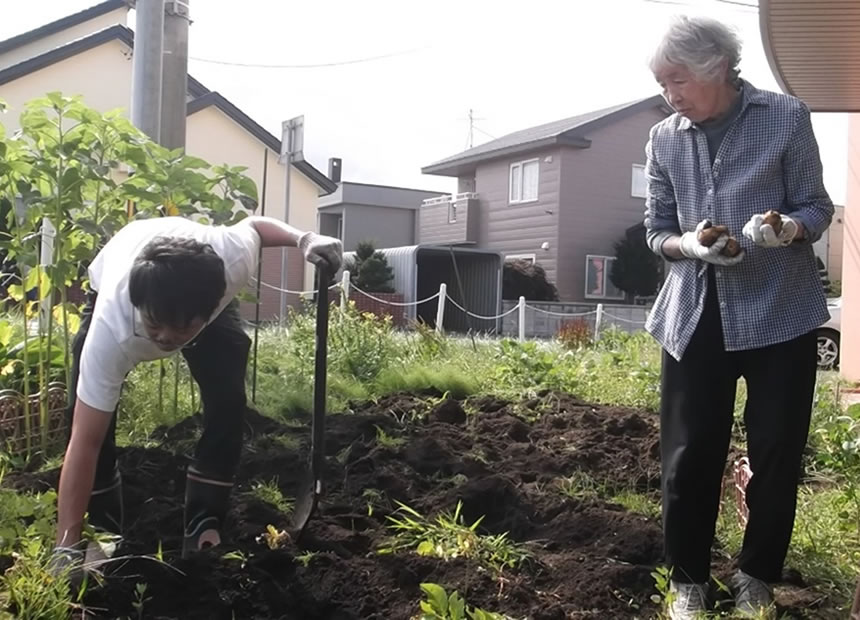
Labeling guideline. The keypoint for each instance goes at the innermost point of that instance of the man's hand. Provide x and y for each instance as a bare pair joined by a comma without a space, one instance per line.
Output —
762,233
67,562
322,251
691,248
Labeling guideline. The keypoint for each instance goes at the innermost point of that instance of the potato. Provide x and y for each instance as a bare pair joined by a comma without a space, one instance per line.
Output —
708,236
775,220
732,249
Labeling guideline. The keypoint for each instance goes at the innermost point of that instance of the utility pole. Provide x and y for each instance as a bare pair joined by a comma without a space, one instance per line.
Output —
174,83
292,144
471,128
147,67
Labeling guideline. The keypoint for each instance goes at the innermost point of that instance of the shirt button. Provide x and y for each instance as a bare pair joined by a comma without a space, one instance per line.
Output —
719,274
710,192
722,304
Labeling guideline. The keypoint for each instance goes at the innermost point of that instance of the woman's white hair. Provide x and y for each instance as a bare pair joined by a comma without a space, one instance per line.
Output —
700,44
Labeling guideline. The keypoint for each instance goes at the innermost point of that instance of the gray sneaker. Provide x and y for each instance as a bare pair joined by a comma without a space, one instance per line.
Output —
753,597
689,601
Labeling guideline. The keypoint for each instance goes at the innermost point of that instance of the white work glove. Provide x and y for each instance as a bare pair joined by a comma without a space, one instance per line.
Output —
691,248
763,234
322,251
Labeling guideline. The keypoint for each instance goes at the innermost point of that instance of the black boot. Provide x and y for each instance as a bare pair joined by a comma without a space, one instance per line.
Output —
105,516
106,507
206,502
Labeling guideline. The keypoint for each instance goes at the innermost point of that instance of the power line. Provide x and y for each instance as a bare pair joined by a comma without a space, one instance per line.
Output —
319,65
736,3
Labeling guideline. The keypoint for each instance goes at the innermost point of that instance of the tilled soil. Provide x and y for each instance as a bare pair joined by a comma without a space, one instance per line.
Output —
502,460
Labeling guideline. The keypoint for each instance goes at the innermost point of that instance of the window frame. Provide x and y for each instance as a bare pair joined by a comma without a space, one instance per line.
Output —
521,165
633,170
606,279
528,256
452,212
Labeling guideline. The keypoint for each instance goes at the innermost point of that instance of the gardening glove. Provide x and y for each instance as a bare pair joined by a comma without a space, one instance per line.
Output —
206,502
763,234
691,248
322,251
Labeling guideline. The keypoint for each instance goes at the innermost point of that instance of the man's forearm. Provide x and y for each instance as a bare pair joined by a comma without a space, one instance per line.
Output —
76,486
274,233
671,247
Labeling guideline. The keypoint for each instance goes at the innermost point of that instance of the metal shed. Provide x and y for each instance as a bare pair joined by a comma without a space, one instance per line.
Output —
419,271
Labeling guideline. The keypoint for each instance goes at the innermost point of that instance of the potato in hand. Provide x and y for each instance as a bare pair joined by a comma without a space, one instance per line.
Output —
732,248
775,220
709,234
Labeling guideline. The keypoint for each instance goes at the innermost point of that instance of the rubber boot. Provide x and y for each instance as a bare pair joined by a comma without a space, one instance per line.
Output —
206,502
106,514
106,511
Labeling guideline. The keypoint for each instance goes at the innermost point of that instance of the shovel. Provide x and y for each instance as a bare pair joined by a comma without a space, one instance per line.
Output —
311,487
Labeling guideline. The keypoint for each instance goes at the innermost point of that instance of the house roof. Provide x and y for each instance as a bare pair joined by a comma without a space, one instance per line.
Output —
570,131
202,96
812,47
59,25
214,98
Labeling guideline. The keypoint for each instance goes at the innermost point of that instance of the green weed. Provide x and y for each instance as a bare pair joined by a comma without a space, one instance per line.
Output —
448,537
271,494
439,605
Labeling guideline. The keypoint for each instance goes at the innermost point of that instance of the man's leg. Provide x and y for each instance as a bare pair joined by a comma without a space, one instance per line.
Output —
105,507
218,361
781,383
697,401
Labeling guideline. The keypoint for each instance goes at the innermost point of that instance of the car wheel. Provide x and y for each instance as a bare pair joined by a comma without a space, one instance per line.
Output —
828,349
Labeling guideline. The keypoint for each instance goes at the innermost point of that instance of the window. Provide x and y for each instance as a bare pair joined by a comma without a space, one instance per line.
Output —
529,257
638,185
598,285
452,212
340,227
524,181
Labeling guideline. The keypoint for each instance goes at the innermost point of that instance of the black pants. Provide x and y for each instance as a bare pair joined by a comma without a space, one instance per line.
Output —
218,359
697,403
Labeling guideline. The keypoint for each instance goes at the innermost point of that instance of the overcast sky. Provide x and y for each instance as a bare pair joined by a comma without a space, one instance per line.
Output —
516,65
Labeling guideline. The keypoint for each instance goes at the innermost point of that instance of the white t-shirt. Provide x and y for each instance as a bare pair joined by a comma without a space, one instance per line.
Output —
111,348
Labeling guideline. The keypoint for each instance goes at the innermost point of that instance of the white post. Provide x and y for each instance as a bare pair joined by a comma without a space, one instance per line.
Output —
344,290
522,319
598,320
440,309
46,260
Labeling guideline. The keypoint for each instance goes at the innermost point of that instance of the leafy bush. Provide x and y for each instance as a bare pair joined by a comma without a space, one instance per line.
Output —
524,278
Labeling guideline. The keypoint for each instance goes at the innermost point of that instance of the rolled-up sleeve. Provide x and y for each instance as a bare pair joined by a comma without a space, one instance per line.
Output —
661,211
807,199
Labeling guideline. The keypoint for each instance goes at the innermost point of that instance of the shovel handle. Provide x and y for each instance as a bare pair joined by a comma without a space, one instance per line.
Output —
320,372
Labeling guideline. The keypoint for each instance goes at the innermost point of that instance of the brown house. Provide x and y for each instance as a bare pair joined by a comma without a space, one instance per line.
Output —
560,194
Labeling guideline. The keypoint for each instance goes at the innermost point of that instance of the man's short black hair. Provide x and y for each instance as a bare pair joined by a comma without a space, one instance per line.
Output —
175,280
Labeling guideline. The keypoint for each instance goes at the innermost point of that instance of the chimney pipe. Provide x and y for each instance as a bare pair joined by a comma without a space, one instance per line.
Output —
334,169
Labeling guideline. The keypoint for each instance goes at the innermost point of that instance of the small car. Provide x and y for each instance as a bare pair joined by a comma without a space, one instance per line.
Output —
828,336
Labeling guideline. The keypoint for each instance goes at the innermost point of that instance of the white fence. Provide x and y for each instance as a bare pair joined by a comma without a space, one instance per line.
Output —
521,318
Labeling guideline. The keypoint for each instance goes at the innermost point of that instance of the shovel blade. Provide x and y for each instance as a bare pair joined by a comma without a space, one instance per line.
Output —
305,506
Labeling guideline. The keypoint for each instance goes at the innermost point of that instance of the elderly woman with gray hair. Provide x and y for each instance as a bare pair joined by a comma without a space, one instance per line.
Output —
735,201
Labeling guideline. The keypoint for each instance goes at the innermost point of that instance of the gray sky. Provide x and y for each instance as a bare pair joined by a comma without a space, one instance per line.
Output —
515,65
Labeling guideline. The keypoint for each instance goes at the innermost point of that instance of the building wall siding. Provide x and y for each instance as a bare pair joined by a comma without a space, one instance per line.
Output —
597,205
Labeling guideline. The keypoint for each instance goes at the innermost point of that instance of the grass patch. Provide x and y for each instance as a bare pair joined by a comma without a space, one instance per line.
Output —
448,537
639,503
270,493
581,485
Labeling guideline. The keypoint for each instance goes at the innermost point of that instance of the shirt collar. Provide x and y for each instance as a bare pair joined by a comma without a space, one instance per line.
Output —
750,95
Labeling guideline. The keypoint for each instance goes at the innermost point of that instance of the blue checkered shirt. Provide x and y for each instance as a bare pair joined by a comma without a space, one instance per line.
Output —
768,159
